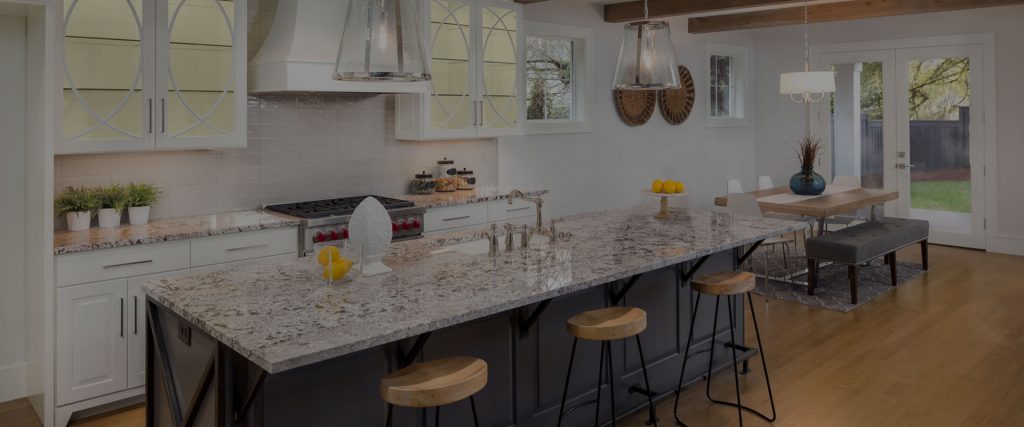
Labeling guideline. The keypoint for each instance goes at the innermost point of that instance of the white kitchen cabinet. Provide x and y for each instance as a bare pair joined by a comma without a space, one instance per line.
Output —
135,325
477,215
153,75
476,55
91,343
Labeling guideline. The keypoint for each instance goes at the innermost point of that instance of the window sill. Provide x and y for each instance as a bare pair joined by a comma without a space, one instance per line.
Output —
556,127
727,122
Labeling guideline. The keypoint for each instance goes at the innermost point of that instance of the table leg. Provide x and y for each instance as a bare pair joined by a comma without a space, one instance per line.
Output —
821,226
872,216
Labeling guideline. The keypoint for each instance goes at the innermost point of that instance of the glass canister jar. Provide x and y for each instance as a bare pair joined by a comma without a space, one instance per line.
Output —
423,183
466,179
446,168
446,184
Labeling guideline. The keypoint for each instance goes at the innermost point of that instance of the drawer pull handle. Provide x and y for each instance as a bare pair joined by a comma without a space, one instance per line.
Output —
128,264
242,248
456,218
518,209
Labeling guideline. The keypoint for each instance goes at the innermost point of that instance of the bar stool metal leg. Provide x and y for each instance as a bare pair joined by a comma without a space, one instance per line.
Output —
611,377
764,365
600,369
391,409
686,357
472,404
568,374
732,349
711,357
653,418
437,416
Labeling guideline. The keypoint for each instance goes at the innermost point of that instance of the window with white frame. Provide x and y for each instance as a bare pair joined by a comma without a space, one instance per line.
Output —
557,83
727,75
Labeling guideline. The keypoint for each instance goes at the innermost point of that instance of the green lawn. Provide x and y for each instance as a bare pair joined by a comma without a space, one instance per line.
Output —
954,196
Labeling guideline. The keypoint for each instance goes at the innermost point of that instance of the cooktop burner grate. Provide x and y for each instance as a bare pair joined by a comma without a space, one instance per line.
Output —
333,207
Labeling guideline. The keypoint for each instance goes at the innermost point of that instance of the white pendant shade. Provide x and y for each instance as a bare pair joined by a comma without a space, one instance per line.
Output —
807,82
647,59
382,42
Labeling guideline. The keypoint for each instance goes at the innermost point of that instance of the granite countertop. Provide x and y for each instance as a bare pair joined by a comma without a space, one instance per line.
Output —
279,316
463,197
168,229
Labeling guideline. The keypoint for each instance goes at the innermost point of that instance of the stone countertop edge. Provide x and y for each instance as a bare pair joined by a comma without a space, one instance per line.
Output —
465,197
166,230
276,357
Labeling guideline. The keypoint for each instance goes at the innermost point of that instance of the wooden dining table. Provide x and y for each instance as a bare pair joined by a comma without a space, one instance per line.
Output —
835,201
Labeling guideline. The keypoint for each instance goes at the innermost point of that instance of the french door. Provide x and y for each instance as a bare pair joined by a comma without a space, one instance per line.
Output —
902,119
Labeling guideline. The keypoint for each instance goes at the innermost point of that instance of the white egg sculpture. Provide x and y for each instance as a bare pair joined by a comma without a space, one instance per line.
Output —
369,232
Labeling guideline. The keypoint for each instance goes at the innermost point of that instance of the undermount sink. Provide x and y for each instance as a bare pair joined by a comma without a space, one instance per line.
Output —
480,246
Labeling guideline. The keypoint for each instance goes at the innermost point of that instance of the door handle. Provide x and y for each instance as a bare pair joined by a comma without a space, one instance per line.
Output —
122,317
904,166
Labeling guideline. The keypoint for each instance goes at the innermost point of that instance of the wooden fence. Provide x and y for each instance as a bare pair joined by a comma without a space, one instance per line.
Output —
935,145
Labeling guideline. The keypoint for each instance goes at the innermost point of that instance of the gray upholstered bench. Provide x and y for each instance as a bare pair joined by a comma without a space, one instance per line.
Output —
864,242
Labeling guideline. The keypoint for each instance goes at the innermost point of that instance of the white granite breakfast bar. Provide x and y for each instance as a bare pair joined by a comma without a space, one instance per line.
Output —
269,345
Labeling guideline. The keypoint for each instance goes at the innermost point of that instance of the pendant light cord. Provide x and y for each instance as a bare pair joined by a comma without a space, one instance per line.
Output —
807,43
645,10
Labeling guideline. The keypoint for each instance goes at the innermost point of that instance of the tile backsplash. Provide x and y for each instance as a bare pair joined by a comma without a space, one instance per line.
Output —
301,147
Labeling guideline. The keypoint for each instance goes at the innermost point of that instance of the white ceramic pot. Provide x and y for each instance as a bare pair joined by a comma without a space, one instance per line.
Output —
78,221
138,215
109,218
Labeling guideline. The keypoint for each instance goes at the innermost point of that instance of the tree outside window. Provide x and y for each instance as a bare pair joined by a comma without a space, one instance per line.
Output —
550,79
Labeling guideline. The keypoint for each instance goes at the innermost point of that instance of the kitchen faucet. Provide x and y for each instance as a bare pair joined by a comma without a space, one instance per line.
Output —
539,202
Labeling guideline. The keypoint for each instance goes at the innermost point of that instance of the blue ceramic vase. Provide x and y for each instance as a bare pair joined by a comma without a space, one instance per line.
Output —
807,182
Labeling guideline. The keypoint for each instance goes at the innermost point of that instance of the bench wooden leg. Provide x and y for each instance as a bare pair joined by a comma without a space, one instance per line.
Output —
812,275
924,254
852,272
892,266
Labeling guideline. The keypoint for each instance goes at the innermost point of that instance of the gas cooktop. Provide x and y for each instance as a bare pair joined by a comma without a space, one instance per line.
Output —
333,207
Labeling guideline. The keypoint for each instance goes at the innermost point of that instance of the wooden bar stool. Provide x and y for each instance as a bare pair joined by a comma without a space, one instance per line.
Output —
726,284
434,384
606,325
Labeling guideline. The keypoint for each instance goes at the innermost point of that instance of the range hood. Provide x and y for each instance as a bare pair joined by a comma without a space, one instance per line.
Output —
301,49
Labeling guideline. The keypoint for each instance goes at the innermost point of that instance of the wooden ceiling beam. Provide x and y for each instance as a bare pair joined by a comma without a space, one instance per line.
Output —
832,12
634,10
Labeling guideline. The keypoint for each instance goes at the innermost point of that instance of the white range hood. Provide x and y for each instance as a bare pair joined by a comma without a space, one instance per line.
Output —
301,49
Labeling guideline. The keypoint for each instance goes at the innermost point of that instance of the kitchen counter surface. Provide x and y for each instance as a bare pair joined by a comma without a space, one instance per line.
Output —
463,197
280,317
167,229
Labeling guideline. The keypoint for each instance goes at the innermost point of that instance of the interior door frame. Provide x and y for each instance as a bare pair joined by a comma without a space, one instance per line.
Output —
975,52
987,115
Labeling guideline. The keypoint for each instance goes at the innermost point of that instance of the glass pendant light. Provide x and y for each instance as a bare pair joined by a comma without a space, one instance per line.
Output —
807,86
382,42
647,59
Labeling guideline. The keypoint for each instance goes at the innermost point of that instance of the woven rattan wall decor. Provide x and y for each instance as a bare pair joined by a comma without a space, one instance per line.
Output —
676,104
635,106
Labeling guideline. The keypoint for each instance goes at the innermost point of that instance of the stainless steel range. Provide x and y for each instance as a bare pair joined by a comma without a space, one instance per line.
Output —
327,220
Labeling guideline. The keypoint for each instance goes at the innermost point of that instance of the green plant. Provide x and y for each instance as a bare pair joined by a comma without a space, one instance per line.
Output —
808,150
73,199
142,194
114,197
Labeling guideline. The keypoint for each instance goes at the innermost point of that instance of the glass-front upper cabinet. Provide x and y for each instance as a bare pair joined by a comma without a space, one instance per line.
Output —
153,74
475,64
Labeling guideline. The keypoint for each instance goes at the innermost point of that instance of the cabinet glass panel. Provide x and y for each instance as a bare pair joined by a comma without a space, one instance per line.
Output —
499,41
451,104
103,78
201,80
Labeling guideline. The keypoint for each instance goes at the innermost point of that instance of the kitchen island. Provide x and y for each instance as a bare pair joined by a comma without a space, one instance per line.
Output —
270,345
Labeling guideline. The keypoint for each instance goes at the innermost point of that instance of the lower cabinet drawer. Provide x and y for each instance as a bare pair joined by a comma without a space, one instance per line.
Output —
235,264
455,216
503,210
129,261
243,246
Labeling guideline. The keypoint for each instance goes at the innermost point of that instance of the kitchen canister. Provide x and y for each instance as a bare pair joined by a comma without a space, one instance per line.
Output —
446,168
466,179
423,183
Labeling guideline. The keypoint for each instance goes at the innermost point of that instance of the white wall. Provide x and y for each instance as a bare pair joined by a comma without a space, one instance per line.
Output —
779,122
12,216
609,167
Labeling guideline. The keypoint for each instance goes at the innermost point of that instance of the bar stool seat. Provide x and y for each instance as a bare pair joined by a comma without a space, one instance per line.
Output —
725,283
434,383
606,324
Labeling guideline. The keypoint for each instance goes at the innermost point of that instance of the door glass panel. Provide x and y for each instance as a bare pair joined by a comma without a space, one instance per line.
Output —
103,70
857,119
451,103
499,39
940,116
200,81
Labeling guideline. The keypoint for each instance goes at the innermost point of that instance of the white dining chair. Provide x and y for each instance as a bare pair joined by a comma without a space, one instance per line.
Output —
746,204
735,186
848,219
764,183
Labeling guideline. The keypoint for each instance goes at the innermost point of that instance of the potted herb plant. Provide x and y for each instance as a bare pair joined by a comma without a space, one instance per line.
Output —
79,205
112,201
807,181
140,200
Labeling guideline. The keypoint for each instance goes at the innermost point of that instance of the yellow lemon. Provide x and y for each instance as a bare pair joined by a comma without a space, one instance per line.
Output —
680,187
337,269
328,254
657,186
669,187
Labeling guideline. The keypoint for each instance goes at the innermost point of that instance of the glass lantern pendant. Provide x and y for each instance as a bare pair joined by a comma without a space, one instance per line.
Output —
647,59
382,42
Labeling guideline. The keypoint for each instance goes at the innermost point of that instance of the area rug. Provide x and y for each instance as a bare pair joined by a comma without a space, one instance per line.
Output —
833,289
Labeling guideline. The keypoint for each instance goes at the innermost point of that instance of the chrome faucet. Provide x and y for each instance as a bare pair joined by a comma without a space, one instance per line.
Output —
536,201
492,247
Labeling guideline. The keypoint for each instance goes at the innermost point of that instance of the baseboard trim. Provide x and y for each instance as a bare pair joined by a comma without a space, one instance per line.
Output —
13,382
1007,244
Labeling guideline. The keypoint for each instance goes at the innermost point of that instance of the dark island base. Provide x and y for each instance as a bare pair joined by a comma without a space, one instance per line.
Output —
527,352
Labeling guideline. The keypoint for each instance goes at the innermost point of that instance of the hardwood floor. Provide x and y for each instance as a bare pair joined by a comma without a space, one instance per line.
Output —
945,349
